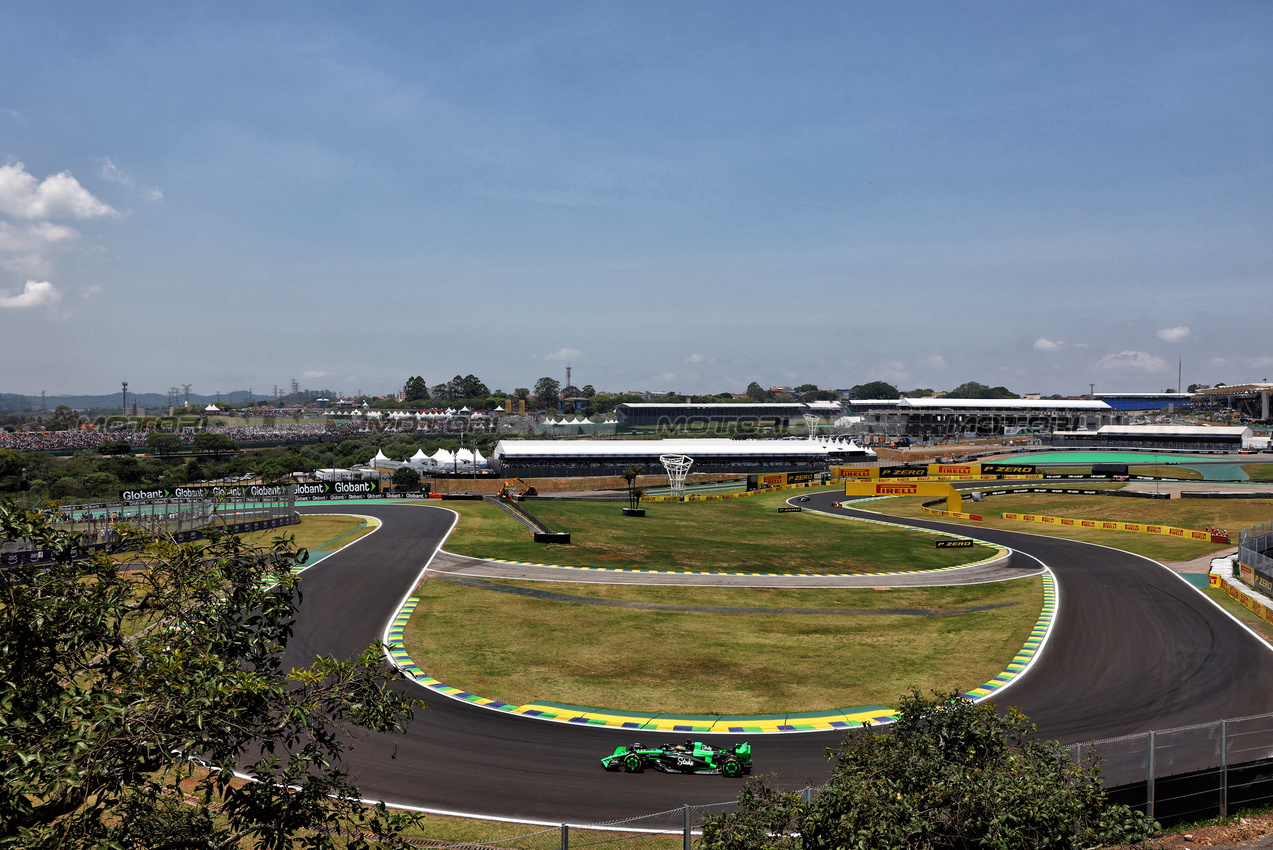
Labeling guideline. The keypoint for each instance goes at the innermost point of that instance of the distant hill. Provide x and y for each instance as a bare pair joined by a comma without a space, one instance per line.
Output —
150,401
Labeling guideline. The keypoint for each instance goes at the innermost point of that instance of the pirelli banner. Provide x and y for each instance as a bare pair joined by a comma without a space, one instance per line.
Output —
862,472
1244,599
1109,525
931,489
781,479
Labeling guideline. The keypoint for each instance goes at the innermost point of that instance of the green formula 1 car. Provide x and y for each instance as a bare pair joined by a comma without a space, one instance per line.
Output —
689,757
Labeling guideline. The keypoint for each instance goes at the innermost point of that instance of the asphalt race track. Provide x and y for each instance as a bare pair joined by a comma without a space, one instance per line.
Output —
1134,648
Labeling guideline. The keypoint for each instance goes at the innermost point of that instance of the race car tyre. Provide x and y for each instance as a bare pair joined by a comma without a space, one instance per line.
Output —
731,767
632,763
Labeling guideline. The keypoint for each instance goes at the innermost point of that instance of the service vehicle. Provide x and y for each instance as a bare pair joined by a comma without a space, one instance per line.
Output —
689,757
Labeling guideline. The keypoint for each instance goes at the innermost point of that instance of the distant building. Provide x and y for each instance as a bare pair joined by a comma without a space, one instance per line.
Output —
708,415
1175,437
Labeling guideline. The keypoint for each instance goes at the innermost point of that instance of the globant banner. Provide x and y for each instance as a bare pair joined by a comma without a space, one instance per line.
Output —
253,492
337,489
196,492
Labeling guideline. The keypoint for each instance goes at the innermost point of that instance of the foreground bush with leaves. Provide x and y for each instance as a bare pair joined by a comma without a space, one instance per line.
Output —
949,773
111,682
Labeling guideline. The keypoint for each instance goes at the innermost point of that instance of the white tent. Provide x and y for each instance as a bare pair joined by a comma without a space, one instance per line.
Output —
479,461
420,460
380,461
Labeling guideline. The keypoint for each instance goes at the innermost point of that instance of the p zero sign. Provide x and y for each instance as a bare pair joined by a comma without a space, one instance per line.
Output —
1009,469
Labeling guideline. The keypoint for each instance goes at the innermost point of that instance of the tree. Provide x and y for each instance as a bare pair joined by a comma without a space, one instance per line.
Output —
415,389
162,442
756,392
949,773
875,389
406,479
115,688
634,492
546,392
521,393
114,447
467,386
63,419
587,391
206,442
972,389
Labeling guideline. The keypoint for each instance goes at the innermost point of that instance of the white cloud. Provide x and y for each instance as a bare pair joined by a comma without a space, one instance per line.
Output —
37,293
1042,344
1219,361
1259,362
22,246
564,354
1132,360
22,196
315,374
934,362
1174,334
115,174
696,358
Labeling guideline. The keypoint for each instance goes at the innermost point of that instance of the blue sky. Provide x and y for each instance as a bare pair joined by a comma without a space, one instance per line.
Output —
665,195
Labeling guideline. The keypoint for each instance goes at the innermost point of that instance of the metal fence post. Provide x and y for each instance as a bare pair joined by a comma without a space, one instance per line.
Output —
1224,768
686,840
1149,780
565,837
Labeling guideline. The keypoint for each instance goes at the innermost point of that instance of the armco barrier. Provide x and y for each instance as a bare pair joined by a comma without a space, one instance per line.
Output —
1107,525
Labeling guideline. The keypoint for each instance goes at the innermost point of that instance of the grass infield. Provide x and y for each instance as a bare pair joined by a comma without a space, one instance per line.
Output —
740,535
1258,471
1231,514
319,533
520,650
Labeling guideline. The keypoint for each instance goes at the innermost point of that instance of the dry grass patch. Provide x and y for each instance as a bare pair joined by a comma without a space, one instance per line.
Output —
523,650
1232,514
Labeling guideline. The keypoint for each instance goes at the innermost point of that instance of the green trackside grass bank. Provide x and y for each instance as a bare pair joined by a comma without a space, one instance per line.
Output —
741,535
1258,471
1227,602
520,650
1232,514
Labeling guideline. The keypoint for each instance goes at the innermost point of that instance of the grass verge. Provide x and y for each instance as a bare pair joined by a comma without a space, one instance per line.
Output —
1183,513
520,650
1259,625
743,535
1258,471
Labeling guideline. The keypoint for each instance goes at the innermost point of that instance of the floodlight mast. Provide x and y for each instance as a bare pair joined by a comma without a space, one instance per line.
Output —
811,422
677,466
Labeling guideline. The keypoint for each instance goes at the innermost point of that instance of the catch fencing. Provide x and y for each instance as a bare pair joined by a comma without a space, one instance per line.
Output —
97,527
1190,773
1254,545
674,829
1174,775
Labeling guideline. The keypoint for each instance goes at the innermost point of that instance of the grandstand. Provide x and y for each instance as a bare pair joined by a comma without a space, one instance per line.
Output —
704,416
564,458
1175,437
928,418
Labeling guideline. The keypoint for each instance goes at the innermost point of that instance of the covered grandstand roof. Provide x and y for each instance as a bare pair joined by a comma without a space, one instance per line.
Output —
1003,404
700,448
1217,431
